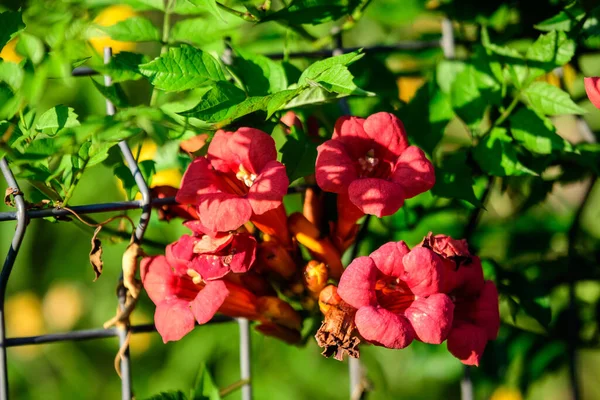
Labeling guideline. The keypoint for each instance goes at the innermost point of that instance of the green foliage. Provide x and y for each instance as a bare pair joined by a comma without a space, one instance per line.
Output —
11,22
136,29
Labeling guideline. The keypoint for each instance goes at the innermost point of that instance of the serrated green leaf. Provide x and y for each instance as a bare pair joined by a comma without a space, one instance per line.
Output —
454,179
467,101
535,133
312,96
210,5
549,51
11,23
217,102
56,119
259,74
174,395
496,155
123,66
338,79
205,387
564,20
114,93
550,100
312,73
299,155
134,29
313,11
182,68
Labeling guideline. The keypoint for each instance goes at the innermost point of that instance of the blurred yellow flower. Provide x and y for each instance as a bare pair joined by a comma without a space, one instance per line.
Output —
108,17
24,318
506,393
140,343
62,306
408,86
9,52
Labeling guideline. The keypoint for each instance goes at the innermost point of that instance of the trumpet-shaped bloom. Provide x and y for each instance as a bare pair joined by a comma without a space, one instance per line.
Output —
239,177
212,256
476,321
397,294
371,160
592,88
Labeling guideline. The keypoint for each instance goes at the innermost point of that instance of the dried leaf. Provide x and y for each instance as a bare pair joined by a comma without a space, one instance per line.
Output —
129,264
96,253
337,334
8,196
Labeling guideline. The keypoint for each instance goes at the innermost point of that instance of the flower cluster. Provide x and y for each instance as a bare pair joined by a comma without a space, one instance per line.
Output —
246,256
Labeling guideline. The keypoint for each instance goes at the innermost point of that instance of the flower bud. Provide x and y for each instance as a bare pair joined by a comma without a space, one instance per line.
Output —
278,311
313,206
289,336
328,297
315,276
277,259
274,223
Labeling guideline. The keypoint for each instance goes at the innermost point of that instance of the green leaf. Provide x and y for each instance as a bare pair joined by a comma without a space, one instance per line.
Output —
31,47
174,395
201,31
315,70
11,22
496,155
426,116
259,74
454,179
338,79
121,171
535,133
205,387
12,74
548,52
135,29
114,93
299,155
56,119
550,100
313,11
123,66
182,68
564,20
312,96
210,5
217,103
467,101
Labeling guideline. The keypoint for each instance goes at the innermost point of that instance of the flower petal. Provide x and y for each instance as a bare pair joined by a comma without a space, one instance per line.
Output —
208,301
212,244
466,279
486,313
173,319
376,196
161,283
382,327
267,191
388,258
467,343
180,253
198,179
388,132
219,153
431,318
592,88
224,212
244,253
414,172
423,271
334,169
249,147
357,284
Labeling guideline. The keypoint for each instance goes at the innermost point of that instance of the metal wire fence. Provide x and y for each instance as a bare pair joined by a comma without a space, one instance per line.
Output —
22,216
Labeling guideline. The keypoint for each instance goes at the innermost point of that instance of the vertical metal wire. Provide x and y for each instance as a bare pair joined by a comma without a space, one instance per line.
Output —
447,42
9,262
123,331
245,364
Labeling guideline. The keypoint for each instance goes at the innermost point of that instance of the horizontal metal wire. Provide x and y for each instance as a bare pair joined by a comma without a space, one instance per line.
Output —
404,45
90,334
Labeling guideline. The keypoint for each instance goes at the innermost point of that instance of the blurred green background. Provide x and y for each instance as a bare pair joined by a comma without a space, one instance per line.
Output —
51,288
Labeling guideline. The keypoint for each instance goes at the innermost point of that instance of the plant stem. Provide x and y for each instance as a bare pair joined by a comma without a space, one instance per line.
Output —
165,40
246,16
233,387
76,180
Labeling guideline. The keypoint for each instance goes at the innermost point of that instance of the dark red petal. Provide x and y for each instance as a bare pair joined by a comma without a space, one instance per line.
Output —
267,191
208,301
254,149
388,258
219,153
334,169
382,327
199,178
349,131
224,212
173,319
466,279
486,313
467,343
388,132
423,271
357,284
414,172
375,196
197,227
210,267
180,253
243,248
431,317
